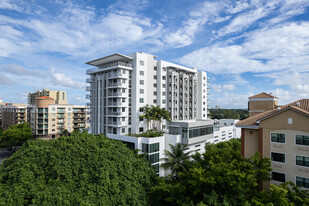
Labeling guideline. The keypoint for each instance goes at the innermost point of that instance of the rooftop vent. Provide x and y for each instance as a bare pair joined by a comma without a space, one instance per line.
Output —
298,104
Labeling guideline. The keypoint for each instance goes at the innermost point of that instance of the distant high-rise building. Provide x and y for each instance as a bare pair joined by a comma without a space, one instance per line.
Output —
120,85
59,96
14,114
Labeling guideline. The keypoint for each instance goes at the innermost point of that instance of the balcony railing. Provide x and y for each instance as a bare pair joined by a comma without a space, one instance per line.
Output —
79,116
115,75
79,121
116,123
88,96
115,84
116,103
88,88
115,113
60,116
88,80
116,94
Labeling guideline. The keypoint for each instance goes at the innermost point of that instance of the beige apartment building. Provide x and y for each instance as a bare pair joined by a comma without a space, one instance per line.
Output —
13,113
280,133
261,102
52,119
59,96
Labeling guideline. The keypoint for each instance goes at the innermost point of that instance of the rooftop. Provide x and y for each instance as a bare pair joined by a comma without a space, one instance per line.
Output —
44,97
110,58
262,95
301,106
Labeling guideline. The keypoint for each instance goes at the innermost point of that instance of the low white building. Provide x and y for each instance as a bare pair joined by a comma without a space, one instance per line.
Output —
193,133
224,130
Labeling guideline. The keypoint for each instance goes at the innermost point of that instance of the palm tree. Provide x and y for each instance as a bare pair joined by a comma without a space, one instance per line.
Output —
147,114
175,159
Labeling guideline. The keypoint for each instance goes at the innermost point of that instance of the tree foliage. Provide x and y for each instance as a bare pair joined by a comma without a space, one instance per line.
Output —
16,135
220,176
229,114
81,169
155,115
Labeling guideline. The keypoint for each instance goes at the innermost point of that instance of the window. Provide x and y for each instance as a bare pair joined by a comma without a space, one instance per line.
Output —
69,114
154,85
164,69
302,139
69,118
302,161
156,167
141,100
155,76
155,101
123,119
123,71
69,123
69,109
141,91
163,93
53,125
123,130
130,145
278,157
302,182
53,130
153,158
141,109
155,68
276,137
123,100
123,109
53,109
53,120
141,82
141,63
53,114
163,77
141,73
154,93
163,101
141,129
164,85
276,176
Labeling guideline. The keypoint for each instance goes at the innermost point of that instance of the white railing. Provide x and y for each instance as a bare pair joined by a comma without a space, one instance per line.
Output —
117,84
115,64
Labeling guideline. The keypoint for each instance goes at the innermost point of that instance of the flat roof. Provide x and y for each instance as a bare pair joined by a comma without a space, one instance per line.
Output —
110,58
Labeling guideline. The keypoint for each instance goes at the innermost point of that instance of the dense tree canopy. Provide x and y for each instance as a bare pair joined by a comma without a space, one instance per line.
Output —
81,169
229,114
16,135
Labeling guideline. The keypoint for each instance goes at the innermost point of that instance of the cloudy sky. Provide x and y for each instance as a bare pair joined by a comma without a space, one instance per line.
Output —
246,47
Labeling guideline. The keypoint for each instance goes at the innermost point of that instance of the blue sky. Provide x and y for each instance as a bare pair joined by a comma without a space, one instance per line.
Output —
246,47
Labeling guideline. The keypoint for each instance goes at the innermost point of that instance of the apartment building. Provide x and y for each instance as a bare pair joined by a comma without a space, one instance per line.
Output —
49,119
261,102
225,130
13,113
121,84
59,96
281,134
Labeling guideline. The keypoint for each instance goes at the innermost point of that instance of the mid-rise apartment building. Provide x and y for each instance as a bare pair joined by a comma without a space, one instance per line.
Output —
281,134
13,113
59,96
121,84
49,119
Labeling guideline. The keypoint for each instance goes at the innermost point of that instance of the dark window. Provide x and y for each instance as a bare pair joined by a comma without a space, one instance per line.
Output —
276,137
141,109
156,167
145,148
130,145
302,161
302,140
153,158
154,147
278,176
302,182
141,129
278,157
141,119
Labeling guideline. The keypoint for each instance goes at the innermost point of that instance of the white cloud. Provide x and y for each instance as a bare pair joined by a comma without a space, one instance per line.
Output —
5,79
222,88
7,4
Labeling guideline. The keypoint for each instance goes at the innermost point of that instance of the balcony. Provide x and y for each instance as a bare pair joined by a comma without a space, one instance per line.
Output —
88,88
116,123
60,121
79,121
116,104
88,96
60,116
116,84
88,104
60,127
115,113
88,80
116,94
79,111
116,75
60,111
89,71
79,116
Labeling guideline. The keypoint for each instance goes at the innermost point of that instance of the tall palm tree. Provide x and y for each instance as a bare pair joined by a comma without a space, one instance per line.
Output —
147,114
175,159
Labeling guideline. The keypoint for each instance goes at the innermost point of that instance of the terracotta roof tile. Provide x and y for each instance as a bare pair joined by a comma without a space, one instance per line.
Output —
262,95
44,97
301,105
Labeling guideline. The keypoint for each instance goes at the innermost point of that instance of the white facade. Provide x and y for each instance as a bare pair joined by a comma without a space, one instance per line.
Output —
120,85
224,130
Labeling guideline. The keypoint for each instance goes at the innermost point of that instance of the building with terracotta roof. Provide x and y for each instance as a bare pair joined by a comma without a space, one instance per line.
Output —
280,133
59,96
49,119
261,102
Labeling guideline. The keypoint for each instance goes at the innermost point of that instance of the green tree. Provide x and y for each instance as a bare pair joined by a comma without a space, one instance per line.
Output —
176,159
65,133
155,114
220,176
147,114
16,135
81,169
